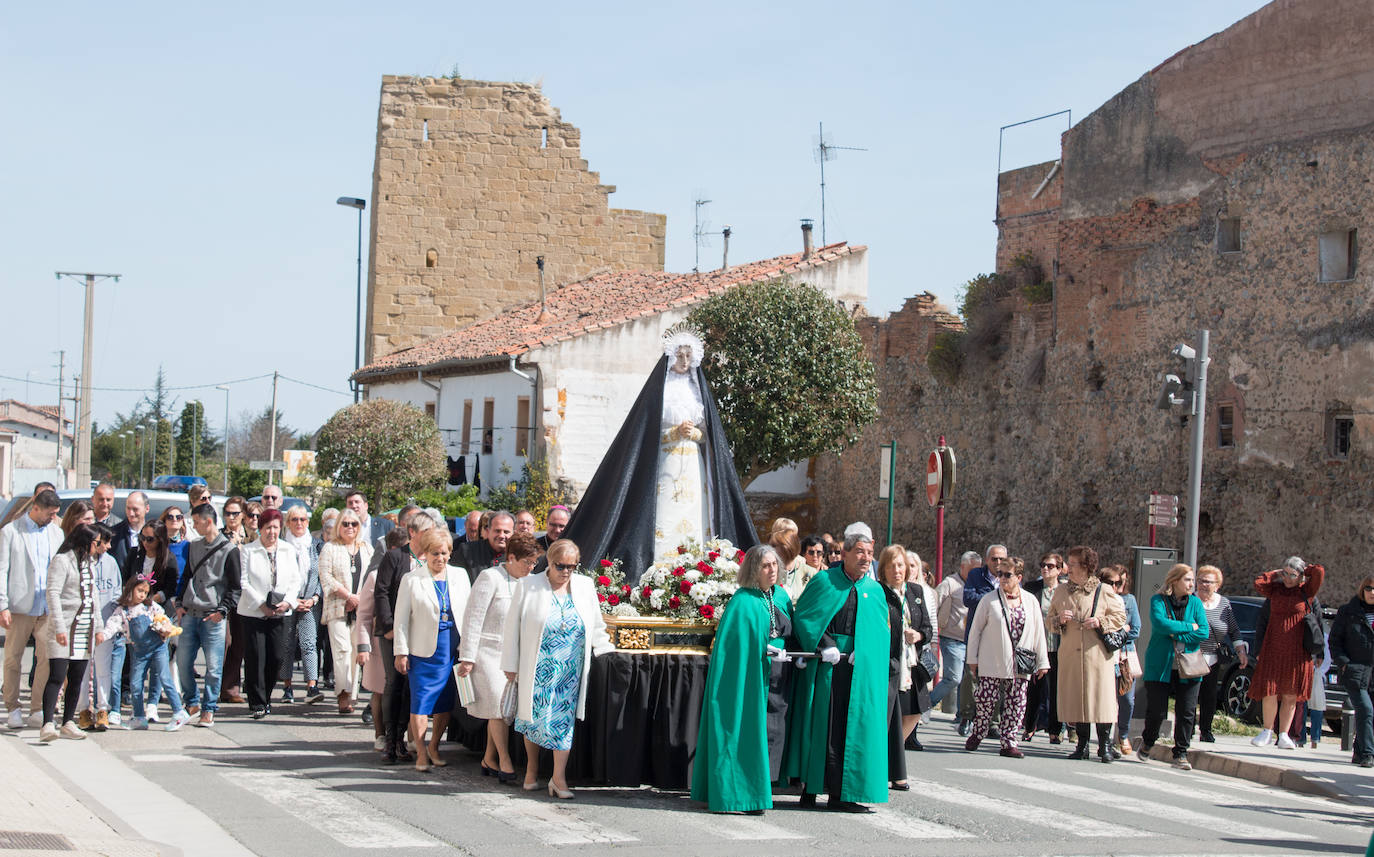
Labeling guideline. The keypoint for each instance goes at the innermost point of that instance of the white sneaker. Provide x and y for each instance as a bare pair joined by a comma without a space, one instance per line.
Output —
139,723
73,732
115,720
1263,739
35,718
152,714
16,720
1286,743
48,733
180,719
379,743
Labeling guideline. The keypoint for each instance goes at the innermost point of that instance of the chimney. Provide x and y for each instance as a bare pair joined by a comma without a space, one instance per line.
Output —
806,238
725,254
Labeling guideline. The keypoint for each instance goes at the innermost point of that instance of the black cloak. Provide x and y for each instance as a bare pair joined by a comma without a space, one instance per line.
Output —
615,517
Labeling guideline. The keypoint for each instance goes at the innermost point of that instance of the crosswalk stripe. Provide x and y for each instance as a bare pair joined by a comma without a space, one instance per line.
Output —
552,825
741,827
910,826
1177,782
1212,822
1064,822
343,818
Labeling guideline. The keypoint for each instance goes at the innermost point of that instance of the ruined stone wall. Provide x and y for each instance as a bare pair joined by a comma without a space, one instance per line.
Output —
474,180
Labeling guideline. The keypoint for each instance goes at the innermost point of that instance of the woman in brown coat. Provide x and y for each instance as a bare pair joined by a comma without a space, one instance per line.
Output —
1283,672
1081,611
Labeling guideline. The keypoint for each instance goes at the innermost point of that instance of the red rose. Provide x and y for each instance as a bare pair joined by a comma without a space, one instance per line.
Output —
605,563
713,556
706,572
600,597
707,611
647,591
685,586
603,580
739,556
703,567
681,549
612,599
679,571
674,602
625,588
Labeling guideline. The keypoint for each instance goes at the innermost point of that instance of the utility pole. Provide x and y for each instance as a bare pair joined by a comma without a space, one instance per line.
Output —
83,414
225,388
272,441
1190,391
61,376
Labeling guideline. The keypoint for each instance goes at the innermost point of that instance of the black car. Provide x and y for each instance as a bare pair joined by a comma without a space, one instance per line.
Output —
1233,690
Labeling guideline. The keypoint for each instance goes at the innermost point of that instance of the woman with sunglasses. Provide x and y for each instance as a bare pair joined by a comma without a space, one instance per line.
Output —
231,679
252,515
343,562
1222,646
1119,579
1005,620
233,520
1283,671
553,628
1352,653
174,520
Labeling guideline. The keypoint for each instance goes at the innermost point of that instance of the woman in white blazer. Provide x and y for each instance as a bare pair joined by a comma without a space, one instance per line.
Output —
343,564
1002,615
271,578
479,652
73,618
426,630
553,628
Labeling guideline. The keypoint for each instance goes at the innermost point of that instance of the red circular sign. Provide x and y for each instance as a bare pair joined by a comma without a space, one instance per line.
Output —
933,478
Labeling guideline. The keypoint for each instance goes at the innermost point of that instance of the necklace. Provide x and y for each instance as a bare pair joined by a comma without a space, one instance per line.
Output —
774,624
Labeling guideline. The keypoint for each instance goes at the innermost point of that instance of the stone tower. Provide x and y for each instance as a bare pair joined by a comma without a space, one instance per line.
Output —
472,182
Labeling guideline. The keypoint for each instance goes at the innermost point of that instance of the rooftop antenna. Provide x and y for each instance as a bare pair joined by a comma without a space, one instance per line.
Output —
700,232
823,152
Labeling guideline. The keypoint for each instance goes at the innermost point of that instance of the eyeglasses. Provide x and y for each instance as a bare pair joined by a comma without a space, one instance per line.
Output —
816,551
176,517
1111,582
298,520
148,539
229,514
1006,575
254,515
1367,589
1050,565
565,566
349,524
1206,581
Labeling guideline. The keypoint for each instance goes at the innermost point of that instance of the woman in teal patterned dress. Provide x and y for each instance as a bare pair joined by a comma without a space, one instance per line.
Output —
552,629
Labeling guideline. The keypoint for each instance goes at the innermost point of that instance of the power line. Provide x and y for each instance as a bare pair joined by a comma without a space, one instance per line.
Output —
314,386
149,389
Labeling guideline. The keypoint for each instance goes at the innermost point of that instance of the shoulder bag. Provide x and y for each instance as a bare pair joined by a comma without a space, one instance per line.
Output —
1313,636
1113,640
1024,658
1189,664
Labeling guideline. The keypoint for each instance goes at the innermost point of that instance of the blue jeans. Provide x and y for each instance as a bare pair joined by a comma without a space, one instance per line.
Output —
117,671
1125,709
199,634
952,654
150,660
1364,719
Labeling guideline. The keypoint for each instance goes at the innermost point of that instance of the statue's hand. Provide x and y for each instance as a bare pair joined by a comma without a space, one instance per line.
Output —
684,429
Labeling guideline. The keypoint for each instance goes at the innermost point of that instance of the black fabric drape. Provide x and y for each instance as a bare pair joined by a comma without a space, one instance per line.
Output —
615,517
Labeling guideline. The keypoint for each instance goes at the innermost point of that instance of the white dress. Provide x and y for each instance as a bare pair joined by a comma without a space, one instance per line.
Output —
680,502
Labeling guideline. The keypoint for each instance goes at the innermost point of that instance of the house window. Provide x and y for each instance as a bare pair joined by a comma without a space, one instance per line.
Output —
1337,255
426,130
431,258
1228,235
430,410
1226,426
1340,429
523,430
488,432
467,426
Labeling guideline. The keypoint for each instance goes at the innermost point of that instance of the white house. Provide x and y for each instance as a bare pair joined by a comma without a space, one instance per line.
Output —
29,438
559,380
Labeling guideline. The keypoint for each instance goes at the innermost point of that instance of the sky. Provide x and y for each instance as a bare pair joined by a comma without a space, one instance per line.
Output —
197,150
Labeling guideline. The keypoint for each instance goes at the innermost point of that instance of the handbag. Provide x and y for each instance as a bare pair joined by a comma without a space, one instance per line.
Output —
510,702
1189,664
1024,658
1113,640
1313,636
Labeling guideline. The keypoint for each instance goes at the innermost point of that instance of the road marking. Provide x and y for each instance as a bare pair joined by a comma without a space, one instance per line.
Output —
1022,815
741,827
343,818
910,826
1188,782
552,825
1208,821
226,755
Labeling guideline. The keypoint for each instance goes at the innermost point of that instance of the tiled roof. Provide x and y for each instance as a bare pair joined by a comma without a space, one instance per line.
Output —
596,303
38,416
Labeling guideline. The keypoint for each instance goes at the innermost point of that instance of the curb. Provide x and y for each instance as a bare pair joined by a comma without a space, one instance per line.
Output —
1258,772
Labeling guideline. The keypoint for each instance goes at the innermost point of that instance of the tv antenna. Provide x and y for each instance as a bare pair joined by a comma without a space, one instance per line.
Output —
824,151
700,232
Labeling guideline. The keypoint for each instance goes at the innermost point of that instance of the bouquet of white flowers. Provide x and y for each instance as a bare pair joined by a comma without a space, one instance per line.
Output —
694,583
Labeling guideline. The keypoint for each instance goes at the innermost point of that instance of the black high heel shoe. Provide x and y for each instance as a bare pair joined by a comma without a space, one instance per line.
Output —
503,777
488,772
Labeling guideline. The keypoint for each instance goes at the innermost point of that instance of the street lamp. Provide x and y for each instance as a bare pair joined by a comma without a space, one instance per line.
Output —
226,435
360,204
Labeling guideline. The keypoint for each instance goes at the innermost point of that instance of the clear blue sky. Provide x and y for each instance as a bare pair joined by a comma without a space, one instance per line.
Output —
197,149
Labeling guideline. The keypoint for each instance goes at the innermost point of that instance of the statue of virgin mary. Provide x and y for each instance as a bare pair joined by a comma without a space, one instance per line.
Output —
668,476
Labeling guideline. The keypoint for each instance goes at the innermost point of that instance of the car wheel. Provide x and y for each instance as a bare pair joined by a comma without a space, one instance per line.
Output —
1235,698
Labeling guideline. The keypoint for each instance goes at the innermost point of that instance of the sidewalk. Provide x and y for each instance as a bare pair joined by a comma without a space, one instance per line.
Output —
1325,771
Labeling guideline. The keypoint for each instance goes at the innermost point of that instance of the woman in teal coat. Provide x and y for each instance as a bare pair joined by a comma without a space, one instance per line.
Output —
732,771
1178,624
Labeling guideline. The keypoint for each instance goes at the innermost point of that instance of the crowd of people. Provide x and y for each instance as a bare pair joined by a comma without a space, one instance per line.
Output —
823,668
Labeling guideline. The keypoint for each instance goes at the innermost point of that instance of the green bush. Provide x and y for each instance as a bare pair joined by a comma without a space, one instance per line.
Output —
946,357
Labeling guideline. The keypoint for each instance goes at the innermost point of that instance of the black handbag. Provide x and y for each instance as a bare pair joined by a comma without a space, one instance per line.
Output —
1113,640
1024,658
1313,636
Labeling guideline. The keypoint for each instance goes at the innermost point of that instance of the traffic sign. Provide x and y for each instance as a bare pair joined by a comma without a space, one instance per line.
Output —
1164,504
267,465
934,478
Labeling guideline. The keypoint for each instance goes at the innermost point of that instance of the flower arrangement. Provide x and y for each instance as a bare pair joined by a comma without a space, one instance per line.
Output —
694,583
612,591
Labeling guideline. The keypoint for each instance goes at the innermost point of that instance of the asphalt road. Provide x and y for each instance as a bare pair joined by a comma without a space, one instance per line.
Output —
302,783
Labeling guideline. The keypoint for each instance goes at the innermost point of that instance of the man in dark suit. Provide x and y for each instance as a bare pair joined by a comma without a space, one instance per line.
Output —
395,564
477,557
554,526
126,531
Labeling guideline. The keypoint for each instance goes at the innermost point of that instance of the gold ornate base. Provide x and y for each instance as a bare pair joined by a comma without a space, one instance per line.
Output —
659,635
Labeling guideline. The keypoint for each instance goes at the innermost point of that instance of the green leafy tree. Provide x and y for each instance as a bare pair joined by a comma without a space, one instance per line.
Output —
191,448
788,372
245,481
163,448
383,448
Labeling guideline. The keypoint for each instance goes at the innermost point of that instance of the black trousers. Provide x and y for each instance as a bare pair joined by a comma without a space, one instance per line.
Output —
1157,695
60,670
1042,697
396,697
1207,696
263,644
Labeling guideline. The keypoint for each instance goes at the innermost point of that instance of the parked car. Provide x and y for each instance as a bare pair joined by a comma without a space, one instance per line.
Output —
158,501
1234,687
287,503
177,483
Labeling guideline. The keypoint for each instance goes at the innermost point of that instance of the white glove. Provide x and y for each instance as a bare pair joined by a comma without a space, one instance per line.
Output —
851,658
778,654
830,655
800,662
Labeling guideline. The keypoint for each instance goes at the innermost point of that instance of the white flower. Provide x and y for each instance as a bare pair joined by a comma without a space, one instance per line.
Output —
694,575
625,610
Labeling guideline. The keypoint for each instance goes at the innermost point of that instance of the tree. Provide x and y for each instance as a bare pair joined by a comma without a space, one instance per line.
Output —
788,371
162,447
191,446
383,448
252,440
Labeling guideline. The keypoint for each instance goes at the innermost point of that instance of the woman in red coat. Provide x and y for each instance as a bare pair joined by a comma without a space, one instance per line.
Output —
1283,674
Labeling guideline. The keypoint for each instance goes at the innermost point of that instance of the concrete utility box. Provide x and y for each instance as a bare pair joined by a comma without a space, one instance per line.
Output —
1149,566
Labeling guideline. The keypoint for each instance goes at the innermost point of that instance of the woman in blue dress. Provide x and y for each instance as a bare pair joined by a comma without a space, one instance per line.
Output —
426,640
553,627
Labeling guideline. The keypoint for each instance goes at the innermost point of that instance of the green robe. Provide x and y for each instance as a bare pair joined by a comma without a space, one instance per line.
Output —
730,772
864,775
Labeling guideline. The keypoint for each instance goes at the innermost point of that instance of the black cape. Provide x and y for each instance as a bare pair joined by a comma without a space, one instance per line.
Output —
615,517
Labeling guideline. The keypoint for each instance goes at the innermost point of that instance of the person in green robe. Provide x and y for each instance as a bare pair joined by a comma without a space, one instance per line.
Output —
837,732
731,771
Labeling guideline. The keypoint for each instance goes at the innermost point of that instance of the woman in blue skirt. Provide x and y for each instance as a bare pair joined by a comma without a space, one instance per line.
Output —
427,640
